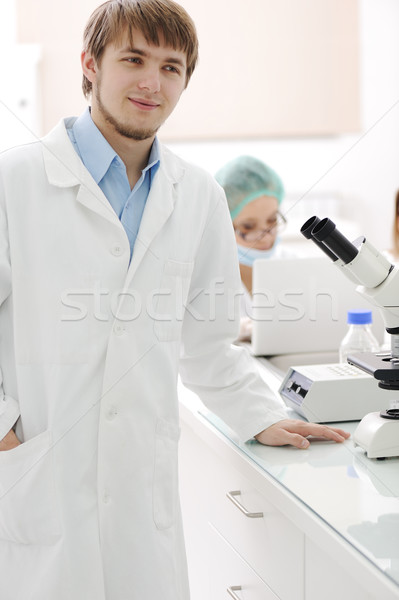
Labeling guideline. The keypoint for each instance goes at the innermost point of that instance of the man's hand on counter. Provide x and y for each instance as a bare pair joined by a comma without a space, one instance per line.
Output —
295,433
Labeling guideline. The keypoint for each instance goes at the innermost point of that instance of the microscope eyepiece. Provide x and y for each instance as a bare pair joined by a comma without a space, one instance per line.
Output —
307,231
363,264
326,232
307,227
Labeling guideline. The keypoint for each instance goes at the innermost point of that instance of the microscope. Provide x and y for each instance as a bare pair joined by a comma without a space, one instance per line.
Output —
377,280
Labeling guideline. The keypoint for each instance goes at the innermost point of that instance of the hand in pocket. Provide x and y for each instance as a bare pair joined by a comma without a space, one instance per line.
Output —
9,442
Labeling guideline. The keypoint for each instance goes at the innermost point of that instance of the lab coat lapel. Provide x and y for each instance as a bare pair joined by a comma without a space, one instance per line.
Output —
91,196
159,207
65,169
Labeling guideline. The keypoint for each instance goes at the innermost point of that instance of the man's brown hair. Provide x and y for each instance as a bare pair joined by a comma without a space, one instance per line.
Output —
153,18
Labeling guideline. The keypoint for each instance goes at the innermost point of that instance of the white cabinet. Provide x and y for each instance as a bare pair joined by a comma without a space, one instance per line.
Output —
328,580
231,576
264,538
284,550
268,543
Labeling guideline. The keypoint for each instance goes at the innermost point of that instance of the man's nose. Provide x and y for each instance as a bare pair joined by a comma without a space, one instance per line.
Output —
150,81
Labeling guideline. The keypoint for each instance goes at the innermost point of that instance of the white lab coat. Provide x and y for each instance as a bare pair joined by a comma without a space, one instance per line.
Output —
89,356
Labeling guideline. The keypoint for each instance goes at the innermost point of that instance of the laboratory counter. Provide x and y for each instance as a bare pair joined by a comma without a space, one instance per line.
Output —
277,522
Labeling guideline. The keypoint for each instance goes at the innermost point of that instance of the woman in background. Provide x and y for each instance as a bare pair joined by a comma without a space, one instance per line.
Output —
254,193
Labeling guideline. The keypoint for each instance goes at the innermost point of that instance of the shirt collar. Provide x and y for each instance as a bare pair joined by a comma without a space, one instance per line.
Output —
155,155
96,153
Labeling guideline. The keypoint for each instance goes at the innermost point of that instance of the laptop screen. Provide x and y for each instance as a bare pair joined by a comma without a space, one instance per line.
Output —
300,305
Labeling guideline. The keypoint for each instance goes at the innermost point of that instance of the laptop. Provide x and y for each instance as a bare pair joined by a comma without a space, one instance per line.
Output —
300,306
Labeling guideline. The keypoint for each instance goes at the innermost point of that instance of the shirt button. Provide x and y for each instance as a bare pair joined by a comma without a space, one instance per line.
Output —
117,250
106,498
119,329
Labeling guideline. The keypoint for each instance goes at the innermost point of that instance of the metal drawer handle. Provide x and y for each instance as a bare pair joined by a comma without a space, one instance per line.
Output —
251,515
234,588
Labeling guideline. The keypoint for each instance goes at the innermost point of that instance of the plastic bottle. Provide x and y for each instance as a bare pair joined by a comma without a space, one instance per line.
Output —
359,337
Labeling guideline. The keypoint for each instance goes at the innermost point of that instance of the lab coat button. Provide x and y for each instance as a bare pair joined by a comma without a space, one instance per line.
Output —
112,412
106,498
119,329
117,250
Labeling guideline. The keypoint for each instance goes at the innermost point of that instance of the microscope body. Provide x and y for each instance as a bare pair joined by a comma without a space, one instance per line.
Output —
377,280
385,297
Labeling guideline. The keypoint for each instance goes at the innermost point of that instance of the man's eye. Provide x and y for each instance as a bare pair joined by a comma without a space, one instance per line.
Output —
133,59
171,69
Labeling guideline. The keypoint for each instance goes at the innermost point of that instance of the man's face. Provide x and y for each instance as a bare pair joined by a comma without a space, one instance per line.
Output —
135,86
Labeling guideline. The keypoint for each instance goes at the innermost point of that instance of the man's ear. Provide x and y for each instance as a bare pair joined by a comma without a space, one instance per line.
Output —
89,66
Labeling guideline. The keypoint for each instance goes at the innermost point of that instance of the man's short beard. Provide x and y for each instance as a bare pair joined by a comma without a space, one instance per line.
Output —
131,133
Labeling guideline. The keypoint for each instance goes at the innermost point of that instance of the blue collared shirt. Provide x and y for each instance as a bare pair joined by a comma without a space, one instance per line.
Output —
109,172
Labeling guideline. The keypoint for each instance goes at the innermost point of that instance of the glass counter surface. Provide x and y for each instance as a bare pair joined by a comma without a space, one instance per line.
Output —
358,497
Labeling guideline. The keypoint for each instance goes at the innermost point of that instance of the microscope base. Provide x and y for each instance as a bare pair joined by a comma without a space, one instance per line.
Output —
379,437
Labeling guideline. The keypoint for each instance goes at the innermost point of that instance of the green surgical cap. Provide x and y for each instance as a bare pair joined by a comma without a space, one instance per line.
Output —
246,178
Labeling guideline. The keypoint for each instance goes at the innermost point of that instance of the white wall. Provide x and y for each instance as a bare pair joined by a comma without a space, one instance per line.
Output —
361,171
7,23
20,110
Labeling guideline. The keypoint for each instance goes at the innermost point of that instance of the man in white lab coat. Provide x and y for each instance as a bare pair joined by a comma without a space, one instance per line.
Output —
117,270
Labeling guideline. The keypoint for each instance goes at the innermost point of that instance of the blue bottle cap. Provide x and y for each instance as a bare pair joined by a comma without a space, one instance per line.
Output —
360,317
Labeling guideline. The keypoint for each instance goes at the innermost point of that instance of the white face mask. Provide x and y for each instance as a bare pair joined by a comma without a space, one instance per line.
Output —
247,256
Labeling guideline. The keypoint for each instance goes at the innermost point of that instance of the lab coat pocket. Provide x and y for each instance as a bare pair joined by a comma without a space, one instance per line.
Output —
170,299
28,513
165,485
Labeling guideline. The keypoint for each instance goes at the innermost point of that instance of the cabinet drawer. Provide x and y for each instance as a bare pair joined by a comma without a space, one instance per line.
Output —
323,574
228,571
270,543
